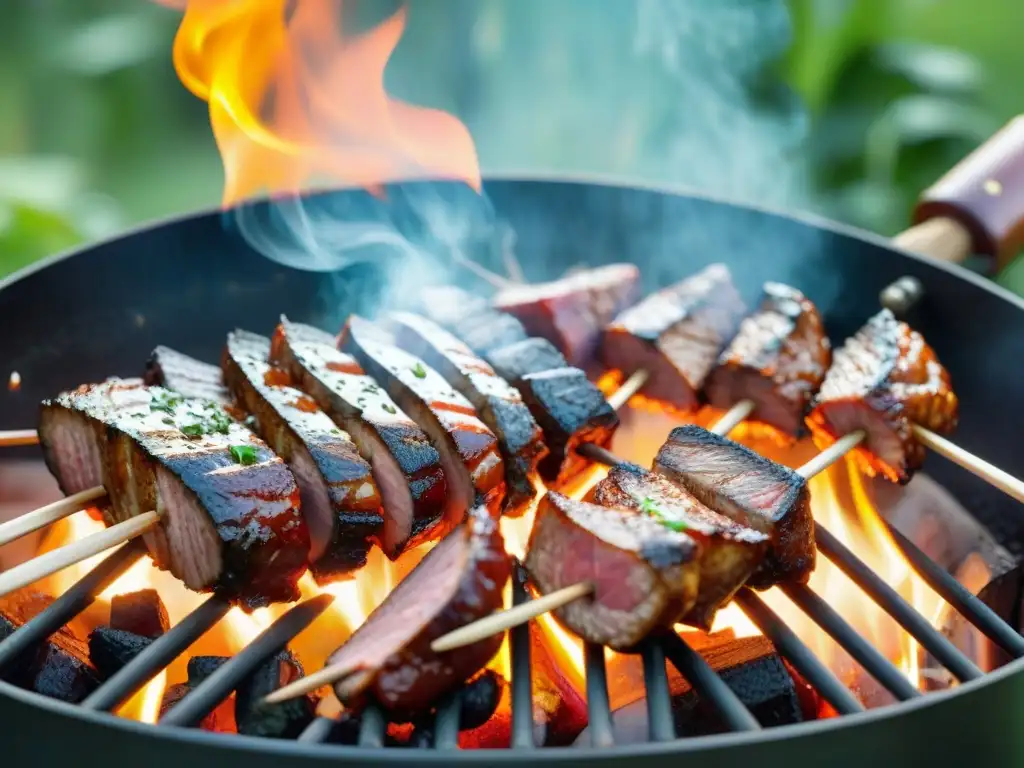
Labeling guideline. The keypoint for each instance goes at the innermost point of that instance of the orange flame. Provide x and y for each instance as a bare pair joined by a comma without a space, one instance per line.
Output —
297,100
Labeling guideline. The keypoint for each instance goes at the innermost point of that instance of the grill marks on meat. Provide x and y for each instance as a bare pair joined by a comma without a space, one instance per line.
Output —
340,500
778,360
185,375
884,380
729,551
406,466
459,581
676,334
230,527
750,489
572,311
472,463
645,576
498,404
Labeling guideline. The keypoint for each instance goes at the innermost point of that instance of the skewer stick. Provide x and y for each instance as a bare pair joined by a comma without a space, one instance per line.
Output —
991,474
51,513
733,417
59,559
832,454
309,683
15,437
629,387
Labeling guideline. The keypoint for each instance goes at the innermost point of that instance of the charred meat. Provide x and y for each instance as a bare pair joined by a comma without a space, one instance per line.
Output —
460,580
498,404
469,451
406,466
751,490
884,380
729,551
778,360
572,312
676,334
185,375
231,519
515,361
340,499
645,574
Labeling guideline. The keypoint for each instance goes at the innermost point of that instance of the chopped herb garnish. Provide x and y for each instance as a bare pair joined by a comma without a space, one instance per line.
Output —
419,371
193,430
388,408
168,420
243,454
650,507
217,422
165,401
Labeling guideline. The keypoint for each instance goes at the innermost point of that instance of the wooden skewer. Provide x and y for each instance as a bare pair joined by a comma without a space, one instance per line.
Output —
51,513
59,559
309,683
733,417
629,387
991,474
15,437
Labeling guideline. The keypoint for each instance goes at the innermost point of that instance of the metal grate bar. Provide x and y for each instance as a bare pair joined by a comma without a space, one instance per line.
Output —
372,727
599,711
318,731
865,654
660,726
957,595
913,622
446,723
522,680
161,652
219,685
798,654
707,683
70,604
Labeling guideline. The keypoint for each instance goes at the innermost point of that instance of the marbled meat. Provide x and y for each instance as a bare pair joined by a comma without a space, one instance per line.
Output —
751,490
884,380
185,375
459,581
340,500
405,465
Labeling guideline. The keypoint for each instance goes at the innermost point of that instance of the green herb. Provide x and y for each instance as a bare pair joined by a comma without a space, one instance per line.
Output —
217,422
243,454
165,401
419,371
388,408
193,430
650,507
168,420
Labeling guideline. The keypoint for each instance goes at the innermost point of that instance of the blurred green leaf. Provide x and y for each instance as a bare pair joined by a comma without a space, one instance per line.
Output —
28,234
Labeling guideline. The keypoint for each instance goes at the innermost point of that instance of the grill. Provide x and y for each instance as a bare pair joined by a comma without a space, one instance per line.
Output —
595,218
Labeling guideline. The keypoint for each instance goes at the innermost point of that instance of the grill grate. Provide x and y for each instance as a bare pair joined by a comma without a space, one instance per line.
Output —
690,664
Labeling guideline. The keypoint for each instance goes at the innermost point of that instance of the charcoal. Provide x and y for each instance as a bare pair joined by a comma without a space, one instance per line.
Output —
110,649
59,667
422,737
285,720
220,720
480,699
346,729
142,613
201,667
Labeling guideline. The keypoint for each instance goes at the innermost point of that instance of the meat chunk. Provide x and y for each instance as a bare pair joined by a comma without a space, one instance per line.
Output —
571,312
515,361
185,375
406,466
778,360
676,334
884,380
469,451
497,403
645,575
340,500
729,551
751,490
460,580
231,520
488,331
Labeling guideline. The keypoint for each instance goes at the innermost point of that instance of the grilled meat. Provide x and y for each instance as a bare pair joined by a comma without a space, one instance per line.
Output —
469,451
778,360
340,499
406,466
571,312
498,404
644,574
676,334
571,411
514,361
185,375
729,551
750,489
460,580
488,331
884,380
231,519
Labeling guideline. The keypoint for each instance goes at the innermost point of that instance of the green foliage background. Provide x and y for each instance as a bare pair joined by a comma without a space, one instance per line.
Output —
96,133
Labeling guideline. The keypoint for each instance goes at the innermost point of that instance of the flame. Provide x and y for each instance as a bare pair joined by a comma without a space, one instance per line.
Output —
297,99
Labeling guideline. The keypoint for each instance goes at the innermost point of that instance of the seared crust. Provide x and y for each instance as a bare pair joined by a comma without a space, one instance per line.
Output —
884,380
185,375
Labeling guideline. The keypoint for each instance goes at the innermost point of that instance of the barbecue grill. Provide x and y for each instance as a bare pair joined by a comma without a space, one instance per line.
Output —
186,282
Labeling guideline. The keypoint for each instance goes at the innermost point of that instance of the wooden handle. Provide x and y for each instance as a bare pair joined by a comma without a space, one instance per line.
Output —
978,207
